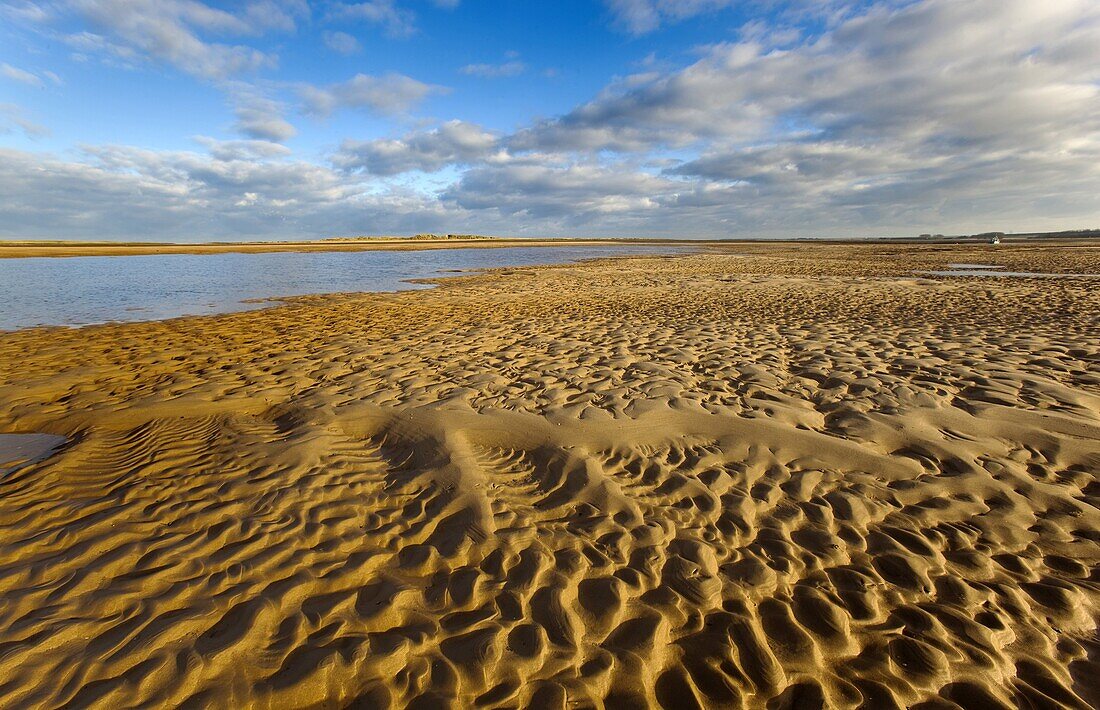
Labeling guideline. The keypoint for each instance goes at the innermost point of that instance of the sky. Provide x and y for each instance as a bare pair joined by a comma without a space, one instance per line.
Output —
188,120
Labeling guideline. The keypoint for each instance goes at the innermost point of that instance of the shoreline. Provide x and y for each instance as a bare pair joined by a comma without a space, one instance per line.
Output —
754,249
416,283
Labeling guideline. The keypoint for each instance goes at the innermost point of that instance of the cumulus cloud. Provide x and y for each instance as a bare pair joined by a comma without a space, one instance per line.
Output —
978,115
258,115
280,15
581,192
168,31
931,112
891,104
261,120
455,142
386,94
128,193
341,42
895,108
242,149
176,32
641,16
935,69
397,21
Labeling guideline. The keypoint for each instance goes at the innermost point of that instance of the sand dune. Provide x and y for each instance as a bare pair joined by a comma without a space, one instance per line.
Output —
793,477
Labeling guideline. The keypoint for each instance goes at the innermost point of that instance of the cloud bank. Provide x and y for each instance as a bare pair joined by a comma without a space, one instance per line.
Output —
897,117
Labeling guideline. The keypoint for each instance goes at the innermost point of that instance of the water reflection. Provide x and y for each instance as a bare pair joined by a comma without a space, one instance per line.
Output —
95,289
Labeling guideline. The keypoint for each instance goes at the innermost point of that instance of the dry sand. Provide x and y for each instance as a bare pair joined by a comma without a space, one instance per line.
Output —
796,478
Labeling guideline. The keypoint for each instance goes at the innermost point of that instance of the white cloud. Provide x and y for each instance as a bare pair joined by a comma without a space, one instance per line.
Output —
12,118
29,78
173,32
127,193
455,142
90,43
580,193
640,17
493,71
278,15
397,21
258,115
341,42
982,114
936,111
937,73
21,75
24,11
242,149
387,94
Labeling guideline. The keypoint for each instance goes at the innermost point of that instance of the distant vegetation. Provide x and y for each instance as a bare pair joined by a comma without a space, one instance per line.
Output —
419,237
450,236
1068,234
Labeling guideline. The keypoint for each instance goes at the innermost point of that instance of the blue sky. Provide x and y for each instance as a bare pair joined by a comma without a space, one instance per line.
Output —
183,119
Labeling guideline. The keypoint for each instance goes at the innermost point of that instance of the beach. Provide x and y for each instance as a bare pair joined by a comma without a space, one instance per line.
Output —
762,475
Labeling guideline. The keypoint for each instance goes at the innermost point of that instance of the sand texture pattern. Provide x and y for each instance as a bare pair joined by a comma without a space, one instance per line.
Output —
796,476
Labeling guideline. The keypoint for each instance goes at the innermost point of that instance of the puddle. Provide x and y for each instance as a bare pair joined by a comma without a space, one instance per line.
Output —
989,270
18,450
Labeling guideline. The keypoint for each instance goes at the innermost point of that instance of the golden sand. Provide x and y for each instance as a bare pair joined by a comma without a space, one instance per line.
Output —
795,477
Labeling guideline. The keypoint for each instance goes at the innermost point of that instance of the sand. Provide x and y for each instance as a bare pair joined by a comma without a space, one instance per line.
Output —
799,476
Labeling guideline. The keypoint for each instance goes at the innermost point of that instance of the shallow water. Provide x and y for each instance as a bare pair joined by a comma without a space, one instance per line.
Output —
995,270
77,291
18,450
992,271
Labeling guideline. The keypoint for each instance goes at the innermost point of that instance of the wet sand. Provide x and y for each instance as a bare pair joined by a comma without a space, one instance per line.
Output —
18,450
798,476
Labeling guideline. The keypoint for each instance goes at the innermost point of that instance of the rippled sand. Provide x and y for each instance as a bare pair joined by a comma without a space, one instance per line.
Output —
795,477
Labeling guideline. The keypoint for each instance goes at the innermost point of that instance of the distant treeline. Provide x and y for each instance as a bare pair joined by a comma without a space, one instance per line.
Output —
450,236
422,237
1070,234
